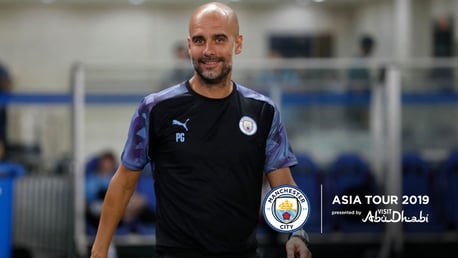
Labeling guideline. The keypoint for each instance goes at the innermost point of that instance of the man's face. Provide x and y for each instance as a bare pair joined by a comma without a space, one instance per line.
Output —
211,44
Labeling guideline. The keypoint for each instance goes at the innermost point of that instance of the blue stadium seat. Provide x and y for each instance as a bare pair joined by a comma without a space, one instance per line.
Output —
350,175
308,179
448,184
145,187
90,167
417,181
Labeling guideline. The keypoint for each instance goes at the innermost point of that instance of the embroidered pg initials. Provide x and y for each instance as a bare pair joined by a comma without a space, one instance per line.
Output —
179,137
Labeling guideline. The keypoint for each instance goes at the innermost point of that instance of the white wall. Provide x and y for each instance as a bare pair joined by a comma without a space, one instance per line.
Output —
40,43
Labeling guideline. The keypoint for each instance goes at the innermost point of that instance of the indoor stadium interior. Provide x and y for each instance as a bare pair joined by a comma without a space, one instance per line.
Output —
366,89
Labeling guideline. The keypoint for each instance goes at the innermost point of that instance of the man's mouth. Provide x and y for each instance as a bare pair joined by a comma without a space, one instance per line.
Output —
210,61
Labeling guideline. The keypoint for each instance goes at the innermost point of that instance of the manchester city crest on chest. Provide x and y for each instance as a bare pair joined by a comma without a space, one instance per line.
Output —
247,125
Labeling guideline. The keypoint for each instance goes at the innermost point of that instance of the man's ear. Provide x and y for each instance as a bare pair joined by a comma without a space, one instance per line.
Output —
189,46
238,44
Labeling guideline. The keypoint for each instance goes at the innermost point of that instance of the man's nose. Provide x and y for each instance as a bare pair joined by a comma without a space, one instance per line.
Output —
209,48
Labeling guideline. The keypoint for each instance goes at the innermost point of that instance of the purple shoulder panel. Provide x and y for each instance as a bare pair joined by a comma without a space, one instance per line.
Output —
135,152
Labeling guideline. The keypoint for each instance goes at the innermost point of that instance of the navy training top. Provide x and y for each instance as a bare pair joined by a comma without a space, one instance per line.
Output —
209,156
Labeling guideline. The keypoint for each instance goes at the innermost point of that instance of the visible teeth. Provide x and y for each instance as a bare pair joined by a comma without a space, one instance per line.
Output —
210,60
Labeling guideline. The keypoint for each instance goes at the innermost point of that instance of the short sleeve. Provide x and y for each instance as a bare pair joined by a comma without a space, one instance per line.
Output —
278,150
135,153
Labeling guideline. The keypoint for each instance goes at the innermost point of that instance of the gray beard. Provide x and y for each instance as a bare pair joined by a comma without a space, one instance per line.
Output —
214,79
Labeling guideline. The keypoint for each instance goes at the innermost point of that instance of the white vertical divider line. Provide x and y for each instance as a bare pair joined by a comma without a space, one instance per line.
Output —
321,208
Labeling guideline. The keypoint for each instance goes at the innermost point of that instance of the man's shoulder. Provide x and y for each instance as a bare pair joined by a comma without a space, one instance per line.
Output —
253,94
156,97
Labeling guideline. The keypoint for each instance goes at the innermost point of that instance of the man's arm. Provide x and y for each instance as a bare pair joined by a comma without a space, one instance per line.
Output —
295,247
121,188
280,176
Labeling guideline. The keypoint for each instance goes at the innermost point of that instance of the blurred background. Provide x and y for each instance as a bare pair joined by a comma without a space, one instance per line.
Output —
366,88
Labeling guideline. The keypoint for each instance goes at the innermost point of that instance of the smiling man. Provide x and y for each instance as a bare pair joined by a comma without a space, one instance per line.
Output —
210,141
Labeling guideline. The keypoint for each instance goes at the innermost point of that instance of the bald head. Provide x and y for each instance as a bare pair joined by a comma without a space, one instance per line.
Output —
218,11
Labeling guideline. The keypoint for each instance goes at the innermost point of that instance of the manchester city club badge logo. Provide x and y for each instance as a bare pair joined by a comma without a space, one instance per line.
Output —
247,125
285,208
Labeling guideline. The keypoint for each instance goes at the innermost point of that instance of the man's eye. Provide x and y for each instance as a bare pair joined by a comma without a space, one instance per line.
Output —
198,41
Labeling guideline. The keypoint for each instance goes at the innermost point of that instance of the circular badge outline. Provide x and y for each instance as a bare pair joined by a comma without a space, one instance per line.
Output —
242,129
264,208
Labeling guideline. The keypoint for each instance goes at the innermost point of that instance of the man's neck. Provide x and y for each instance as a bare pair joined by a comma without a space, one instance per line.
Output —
212,91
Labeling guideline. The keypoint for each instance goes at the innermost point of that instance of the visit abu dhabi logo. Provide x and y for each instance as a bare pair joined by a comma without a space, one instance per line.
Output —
286,208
